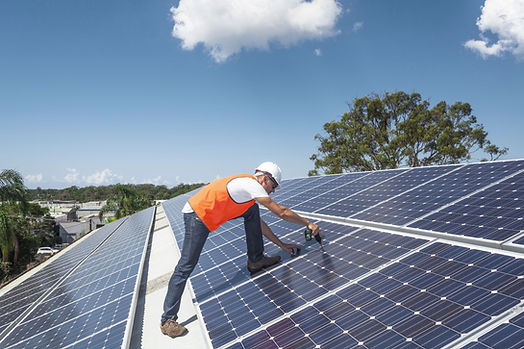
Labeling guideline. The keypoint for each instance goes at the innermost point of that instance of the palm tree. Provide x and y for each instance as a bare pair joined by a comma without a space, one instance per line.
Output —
12,186
12,191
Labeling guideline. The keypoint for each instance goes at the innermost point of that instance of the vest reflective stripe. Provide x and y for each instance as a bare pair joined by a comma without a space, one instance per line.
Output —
214,205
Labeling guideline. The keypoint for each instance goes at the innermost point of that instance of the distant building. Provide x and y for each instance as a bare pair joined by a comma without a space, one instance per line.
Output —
72,216
75,219
70,231
88,211
57,204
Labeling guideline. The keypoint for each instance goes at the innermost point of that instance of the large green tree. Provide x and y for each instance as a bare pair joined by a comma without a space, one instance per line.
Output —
400,129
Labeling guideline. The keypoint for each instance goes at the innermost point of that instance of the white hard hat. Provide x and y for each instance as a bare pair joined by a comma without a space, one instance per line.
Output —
272,169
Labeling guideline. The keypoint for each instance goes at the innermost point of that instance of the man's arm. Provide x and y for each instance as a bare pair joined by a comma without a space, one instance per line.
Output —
287,214
268,233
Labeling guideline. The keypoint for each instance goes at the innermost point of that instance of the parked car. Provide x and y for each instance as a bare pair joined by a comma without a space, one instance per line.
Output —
46,251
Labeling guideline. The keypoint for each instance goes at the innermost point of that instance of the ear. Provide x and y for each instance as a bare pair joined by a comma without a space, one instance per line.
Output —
261,179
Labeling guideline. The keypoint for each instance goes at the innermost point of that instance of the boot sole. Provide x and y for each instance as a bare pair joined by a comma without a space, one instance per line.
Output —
179,335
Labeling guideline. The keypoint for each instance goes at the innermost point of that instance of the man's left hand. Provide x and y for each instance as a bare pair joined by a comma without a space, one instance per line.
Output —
289,248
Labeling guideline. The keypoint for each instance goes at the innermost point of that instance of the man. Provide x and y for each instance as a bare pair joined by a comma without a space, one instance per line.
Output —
215,204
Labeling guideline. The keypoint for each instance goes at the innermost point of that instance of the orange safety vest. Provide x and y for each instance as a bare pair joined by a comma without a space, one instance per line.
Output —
214,206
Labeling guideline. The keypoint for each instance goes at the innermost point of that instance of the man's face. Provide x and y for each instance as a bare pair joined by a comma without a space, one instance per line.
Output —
268,184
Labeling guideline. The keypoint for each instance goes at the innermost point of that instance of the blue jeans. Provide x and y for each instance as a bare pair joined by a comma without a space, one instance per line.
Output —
194,240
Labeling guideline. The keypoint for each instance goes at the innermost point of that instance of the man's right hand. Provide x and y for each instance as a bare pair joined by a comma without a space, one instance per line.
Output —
314,228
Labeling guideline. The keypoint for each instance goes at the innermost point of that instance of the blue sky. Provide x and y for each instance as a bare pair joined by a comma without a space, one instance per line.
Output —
98,92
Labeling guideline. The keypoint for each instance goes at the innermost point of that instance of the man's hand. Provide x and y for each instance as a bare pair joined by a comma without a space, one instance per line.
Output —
288,248
314,229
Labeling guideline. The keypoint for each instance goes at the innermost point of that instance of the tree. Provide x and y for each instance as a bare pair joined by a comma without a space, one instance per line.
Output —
12,187
124,202
399,129
12,193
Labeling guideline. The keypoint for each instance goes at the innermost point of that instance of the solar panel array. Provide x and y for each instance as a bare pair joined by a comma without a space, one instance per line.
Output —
85,296
404,263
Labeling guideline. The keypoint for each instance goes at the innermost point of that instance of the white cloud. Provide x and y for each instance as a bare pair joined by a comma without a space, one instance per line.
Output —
72,175
155,181
505,20
318,52
357,26
225,27
103,177
36,178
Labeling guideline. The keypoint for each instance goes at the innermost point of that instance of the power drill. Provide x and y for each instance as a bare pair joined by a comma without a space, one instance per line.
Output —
307,235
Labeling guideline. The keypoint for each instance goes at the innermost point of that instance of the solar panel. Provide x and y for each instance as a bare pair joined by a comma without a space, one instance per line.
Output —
318,187
493,213
296,186
369,288
508,335
392,187
287,287
340,202
411,301
23,296
396,270
93,304
436,194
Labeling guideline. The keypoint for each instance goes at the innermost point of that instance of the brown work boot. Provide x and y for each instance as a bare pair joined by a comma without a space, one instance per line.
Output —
172,328
253,267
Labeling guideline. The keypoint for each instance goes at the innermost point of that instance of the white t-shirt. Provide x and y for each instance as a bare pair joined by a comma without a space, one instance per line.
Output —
242,189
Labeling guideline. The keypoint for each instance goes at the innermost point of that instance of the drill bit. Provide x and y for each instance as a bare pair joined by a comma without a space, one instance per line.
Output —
319,240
